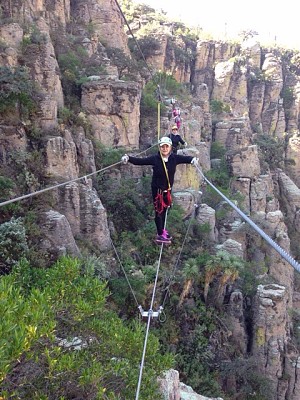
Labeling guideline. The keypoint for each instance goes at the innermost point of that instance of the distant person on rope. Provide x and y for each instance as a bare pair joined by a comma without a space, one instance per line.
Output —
176,112
177,121
164,167
176,139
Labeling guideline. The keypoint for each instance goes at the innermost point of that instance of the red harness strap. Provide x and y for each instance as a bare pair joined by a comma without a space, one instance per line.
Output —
162,200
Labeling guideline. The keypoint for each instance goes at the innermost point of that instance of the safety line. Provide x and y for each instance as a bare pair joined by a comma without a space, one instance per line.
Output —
171,278
149,319
158,121
26,196
124,272
138,46
145,61
275,246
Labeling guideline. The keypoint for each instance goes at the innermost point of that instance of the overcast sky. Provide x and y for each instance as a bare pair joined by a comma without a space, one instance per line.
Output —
272,20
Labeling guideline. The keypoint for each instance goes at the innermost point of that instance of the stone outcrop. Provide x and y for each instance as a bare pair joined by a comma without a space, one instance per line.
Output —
232,247
104,18
58,237
230,86
290,198
207,215
85,213
172,389
61,157
112,107
271,337
188,200
233,134
244,162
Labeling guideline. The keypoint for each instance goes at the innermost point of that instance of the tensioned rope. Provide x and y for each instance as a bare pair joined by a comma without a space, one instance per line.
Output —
150,315
171,278
271,242
148,68
26,196
135,41
124,272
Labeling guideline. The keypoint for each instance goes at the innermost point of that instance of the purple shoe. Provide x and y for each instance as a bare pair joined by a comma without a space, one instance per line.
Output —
162,239
166,234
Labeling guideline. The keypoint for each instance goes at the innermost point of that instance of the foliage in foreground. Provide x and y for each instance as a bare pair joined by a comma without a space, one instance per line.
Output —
41,310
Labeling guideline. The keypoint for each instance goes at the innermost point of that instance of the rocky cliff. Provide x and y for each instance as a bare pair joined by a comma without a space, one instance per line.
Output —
69,85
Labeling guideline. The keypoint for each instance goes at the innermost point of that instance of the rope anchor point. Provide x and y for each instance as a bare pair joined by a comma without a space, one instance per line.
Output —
150,313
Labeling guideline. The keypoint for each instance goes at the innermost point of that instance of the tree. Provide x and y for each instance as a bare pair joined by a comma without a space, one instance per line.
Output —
226,268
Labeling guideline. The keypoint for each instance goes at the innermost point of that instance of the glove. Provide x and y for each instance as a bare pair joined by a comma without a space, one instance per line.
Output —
125,159
195,162
185,144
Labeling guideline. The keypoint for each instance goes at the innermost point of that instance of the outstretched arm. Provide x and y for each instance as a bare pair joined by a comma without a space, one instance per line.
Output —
180,159
138,161
181,141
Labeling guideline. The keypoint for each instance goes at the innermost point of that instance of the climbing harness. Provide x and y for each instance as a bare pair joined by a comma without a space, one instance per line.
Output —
162,200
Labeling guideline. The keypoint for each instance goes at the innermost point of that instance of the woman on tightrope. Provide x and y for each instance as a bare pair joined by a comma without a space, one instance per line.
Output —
164,166
176,139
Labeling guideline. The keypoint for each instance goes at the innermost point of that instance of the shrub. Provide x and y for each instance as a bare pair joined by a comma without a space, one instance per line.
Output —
126,66
217,150
5,185
147,45
13,244
218,107
92,354
271,151
17,91
105,156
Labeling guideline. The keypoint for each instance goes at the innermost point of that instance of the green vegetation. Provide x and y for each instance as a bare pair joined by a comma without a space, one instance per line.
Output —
105,156
17,91
33,36
168,86
217,150
250,383
62,340
147,45
271,151
224,266
127,68
13,244
6,184
195,359
218,176
218,107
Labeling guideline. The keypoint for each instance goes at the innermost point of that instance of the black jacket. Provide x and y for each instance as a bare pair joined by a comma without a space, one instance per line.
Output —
176,139
159,179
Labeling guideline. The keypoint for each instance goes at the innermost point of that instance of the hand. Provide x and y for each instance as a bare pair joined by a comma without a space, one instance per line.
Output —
125,159
185,144
195,162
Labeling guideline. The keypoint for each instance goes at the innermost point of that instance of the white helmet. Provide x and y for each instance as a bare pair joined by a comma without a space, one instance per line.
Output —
165,140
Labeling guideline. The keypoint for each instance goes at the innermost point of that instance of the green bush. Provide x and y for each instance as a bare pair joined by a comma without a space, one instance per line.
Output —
105,156
6,184
194,358
13,244
45,313
147,45
218,107
271,151
217,150
17,91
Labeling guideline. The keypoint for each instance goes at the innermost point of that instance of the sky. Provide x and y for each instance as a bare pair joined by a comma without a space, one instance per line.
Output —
274,22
